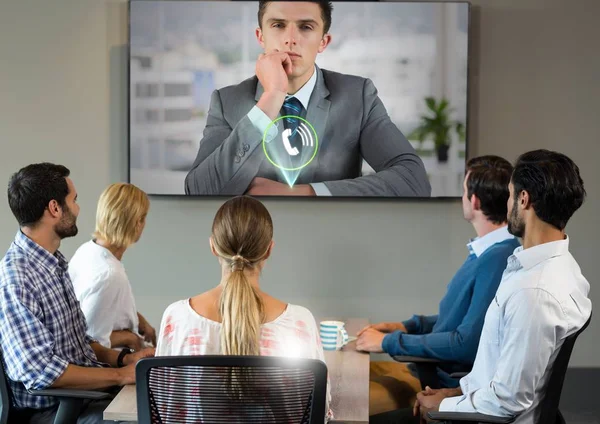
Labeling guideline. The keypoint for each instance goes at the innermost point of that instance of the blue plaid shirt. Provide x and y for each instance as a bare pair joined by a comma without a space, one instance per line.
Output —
42,328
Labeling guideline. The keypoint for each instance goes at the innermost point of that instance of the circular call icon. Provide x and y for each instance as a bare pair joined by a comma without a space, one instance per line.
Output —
294,147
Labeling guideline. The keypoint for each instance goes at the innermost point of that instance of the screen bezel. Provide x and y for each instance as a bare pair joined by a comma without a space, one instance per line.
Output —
302,198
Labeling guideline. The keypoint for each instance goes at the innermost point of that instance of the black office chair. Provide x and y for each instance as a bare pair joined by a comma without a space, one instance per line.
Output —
231,389
548,407
71,401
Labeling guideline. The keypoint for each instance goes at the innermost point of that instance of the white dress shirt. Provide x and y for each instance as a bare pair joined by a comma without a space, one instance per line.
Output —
479,245
541,300
261,122
103,290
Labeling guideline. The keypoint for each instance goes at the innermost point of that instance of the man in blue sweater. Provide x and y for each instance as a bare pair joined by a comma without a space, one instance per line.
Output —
452,335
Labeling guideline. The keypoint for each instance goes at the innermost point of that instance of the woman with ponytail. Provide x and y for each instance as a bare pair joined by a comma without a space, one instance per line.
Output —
236,317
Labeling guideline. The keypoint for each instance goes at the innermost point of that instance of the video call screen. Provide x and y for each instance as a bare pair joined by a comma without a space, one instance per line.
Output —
388,80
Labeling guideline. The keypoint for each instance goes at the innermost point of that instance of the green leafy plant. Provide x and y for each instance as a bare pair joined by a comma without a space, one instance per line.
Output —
436,123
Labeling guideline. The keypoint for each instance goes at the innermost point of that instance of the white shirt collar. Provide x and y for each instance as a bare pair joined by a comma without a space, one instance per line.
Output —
479,245
303,95
528,258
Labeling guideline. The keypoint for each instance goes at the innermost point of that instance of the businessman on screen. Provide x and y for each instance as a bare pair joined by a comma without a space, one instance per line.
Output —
349,119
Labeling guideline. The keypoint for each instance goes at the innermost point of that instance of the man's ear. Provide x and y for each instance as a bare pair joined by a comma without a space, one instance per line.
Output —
54,209
475,203
325,41
259,37
524,200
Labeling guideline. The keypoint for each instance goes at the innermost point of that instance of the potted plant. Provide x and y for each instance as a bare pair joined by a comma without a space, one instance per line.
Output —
437,123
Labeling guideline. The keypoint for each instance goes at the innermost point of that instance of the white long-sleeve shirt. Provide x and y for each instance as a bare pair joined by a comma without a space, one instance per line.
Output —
104,293
541,300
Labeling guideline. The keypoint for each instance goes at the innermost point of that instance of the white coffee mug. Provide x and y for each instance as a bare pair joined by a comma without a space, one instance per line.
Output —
333,335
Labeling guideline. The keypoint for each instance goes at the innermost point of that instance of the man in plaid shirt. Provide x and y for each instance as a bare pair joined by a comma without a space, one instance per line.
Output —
43,337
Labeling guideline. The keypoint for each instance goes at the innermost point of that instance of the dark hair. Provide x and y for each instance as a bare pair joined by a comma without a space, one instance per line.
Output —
553,183
33,187
488,179
326,9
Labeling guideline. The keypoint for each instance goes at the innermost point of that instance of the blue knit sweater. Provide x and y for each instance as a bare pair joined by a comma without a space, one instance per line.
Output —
453,334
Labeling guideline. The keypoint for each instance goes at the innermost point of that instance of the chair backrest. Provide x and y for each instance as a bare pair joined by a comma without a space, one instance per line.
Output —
548,406
5,404
231,389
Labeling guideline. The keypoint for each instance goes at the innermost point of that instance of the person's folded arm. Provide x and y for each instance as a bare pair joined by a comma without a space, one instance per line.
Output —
533,324
216,171
461,344
420,324
449,346
105,355
125,338
90,378
398,169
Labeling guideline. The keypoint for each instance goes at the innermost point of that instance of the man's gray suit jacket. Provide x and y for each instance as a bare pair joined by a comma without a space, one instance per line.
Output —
351,123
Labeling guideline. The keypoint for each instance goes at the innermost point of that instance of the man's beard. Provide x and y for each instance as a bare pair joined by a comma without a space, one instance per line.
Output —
516,226
67,227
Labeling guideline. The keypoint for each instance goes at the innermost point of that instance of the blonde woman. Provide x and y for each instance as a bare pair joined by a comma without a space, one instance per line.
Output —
99,278
237,317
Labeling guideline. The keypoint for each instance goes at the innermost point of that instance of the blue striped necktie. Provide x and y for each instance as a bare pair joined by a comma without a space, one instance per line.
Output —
292,106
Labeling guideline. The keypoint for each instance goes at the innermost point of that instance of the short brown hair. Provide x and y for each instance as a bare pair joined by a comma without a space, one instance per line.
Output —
488,179
326,9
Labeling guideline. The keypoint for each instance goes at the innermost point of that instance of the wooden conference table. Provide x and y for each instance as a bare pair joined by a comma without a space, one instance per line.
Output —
348,375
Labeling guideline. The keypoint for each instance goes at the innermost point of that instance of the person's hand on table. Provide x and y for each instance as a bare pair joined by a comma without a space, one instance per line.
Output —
265,187
127,373
133,358
370,340
385,327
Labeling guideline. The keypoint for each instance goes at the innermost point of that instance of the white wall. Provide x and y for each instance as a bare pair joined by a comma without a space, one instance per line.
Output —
534,83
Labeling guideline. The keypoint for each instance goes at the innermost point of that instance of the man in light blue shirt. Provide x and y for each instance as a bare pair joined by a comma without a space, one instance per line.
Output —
452,335
542,299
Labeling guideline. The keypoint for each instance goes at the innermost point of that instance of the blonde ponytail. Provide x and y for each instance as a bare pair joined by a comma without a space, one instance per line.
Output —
242,233
242,313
